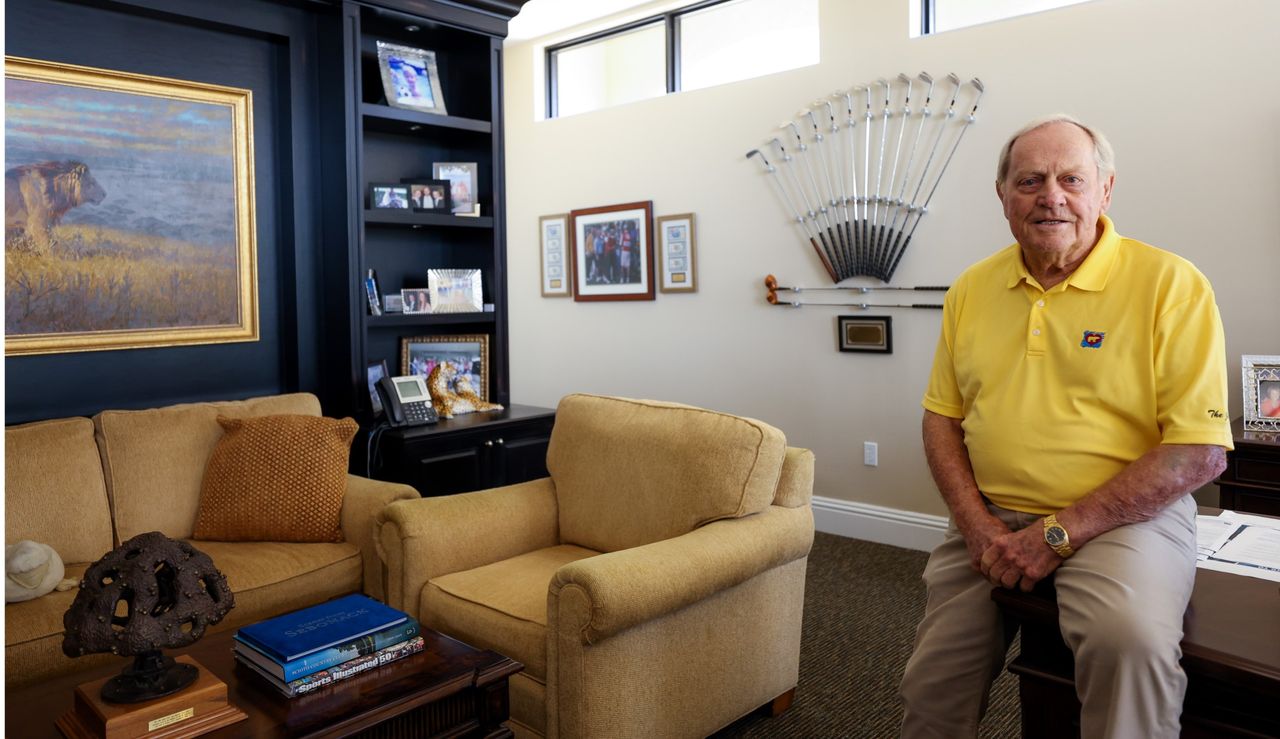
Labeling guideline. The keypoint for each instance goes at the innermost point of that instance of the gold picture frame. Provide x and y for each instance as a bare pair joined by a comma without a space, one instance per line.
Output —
172,258
420,354
557,279
678,249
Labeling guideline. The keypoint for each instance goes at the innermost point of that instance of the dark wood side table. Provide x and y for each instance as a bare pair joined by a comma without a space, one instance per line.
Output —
1230,652
1251,482
448,689
474,451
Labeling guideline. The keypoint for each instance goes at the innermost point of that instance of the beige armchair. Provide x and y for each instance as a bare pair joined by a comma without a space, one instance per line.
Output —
653,585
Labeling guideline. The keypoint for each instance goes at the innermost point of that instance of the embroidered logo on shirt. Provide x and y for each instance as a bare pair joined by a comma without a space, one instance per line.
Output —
1092,339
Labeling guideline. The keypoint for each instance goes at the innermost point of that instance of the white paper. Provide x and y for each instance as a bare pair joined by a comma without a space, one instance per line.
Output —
1240,544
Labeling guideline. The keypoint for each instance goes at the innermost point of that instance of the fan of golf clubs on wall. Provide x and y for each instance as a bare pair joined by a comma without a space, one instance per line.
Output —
858,196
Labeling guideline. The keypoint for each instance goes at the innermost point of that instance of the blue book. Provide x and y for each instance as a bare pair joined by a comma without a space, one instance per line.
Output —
325,658
293,635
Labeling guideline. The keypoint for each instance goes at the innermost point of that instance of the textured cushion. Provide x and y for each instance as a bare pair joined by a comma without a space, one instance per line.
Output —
54,492
632,472
160,455
501,606
276,478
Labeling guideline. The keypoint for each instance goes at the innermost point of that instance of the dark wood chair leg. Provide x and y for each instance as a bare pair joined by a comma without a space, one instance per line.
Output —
779,705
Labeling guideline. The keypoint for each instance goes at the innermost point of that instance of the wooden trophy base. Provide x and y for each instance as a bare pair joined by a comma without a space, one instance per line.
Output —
192,711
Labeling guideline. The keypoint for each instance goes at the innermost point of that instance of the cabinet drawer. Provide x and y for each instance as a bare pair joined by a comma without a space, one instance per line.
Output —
1258,470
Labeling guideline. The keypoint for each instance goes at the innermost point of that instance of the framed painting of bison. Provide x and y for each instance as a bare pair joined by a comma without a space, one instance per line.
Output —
128,211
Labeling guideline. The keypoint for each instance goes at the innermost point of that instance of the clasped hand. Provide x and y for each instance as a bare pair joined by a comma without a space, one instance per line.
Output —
1017,559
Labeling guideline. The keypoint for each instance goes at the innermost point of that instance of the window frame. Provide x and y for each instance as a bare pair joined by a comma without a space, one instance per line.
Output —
670,21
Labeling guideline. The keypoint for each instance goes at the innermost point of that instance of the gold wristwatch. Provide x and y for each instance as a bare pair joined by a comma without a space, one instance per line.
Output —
1056,536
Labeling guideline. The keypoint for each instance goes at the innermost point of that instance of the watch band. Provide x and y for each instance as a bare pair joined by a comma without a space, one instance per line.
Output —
1056,536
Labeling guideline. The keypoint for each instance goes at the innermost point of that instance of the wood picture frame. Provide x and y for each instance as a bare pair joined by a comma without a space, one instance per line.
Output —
612,248
553,234
469,354
1260,381
410,79
678,255
869,334
160,248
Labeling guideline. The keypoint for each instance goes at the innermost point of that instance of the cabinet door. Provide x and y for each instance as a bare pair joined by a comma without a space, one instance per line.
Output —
457,471
524,458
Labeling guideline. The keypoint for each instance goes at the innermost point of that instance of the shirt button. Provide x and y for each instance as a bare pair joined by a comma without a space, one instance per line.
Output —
1035,332
1040,303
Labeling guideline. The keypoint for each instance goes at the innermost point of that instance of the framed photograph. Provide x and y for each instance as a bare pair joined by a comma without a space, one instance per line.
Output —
429,196
612,252
375,371
1260,378
462,185
129,211
415,301
865,334
677,254
410,79
469,353
389,196
555,256
455,290
392,303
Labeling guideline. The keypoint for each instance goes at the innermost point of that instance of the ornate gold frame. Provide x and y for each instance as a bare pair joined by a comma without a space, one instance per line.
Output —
240,103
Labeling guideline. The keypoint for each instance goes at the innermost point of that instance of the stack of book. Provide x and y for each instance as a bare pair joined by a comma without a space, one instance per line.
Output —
307,649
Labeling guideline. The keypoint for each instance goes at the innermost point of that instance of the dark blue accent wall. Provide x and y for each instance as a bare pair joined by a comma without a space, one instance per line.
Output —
275,50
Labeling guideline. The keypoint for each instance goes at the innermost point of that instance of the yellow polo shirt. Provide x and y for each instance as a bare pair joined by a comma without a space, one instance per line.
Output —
1059,390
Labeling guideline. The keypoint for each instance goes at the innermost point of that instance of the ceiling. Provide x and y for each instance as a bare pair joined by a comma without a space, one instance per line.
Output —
541,17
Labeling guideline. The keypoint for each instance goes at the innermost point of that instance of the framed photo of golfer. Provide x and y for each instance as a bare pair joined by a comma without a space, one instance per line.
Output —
677,255
612,248
555,256
410,79
1260,378
388,196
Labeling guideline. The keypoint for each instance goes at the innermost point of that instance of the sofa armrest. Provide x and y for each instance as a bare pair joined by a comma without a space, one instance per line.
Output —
421,539
604,595
795,484
360,506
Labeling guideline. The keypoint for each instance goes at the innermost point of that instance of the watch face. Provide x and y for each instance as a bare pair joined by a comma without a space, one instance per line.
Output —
1055,535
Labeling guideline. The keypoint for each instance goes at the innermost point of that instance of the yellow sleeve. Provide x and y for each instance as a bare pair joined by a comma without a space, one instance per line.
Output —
1191,371
942,396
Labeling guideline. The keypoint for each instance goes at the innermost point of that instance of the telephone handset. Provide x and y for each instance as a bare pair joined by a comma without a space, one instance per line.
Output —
406,400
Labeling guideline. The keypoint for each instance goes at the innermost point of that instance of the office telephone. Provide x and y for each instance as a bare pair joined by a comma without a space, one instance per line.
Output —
406,400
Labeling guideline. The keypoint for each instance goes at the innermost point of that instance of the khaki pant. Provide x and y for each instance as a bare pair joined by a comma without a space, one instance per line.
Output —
1121,600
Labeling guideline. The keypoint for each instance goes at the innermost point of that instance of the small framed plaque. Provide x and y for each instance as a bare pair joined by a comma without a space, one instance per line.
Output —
865,334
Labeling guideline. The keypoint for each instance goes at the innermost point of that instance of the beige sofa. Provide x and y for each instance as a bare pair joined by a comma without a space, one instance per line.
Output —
84,485
653,585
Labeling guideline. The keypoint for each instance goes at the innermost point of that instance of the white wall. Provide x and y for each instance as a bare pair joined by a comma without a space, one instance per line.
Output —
1184,90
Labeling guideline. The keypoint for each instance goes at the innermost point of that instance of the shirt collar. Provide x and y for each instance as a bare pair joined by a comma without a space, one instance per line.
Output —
1092,273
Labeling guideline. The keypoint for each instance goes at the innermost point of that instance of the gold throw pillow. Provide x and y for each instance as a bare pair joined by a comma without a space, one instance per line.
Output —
276,478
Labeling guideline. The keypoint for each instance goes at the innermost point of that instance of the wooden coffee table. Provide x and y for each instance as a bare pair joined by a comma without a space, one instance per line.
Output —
448,688
1230,652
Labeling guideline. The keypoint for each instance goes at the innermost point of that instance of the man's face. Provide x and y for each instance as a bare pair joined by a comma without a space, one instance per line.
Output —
1053,194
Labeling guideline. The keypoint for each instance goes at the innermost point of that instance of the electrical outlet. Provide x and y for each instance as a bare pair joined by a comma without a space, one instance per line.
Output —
870,452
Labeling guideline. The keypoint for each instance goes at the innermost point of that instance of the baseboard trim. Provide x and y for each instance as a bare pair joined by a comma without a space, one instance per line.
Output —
907,529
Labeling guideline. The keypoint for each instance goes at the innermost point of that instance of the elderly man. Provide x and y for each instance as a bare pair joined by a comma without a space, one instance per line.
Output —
1077,398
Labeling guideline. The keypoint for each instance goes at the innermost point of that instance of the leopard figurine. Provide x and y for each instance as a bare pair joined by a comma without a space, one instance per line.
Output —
463,398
